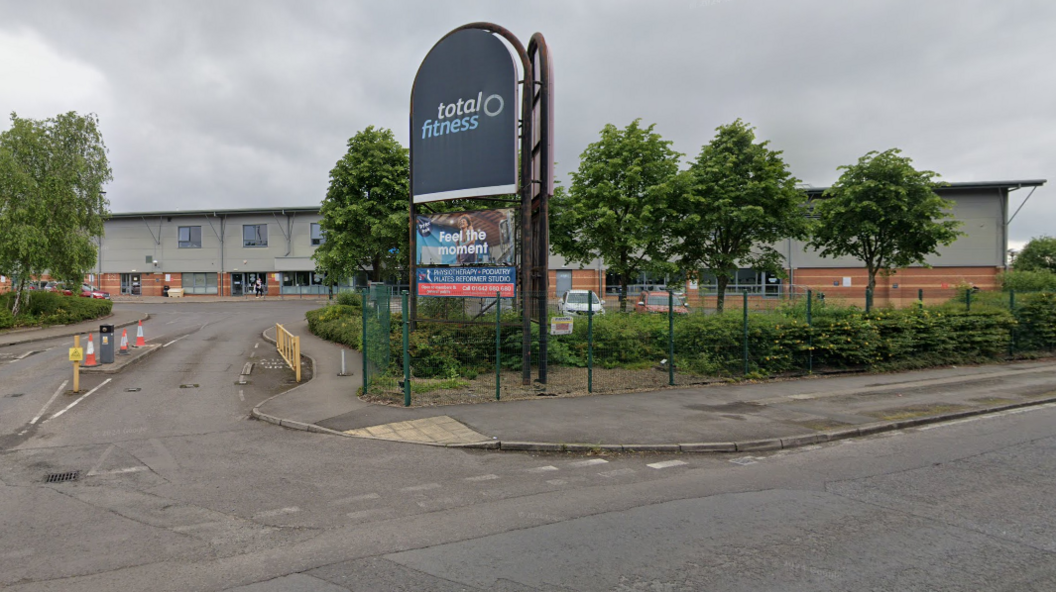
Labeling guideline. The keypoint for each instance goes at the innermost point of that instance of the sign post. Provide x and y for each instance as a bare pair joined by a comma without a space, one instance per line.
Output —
76,356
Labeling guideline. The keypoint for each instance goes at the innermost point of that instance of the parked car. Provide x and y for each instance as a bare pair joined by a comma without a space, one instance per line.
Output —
56,287
657,302
577,302
88,291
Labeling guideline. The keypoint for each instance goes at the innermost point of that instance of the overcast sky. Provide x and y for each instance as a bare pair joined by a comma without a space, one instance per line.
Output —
233,104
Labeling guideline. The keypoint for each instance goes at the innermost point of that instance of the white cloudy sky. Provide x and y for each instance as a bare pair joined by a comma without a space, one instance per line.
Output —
243,103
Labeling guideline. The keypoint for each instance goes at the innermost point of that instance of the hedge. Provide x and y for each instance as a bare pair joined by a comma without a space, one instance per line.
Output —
44,309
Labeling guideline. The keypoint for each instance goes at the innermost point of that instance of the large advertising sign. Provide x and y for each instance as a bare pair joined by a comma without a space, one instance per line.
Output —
464,119
467,281
483,237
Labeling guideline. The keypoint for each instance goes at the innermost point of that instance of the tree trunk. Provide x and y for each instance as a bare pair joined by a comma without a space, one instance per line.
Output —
720,302
623,292
18,297
375,269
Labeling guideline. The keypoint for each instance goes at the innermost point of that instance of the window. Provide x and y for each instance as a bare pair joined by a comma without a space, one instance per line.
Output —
254,235
318,236
199,283
190,237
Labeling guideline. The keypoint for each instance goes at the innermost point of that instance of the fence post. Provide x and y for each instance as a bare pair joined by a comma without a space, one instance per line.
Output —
670,338
868,300
745,306
297,355
406,350
363,353
590,344
498,344
920,297
810,334
1012,335
968,300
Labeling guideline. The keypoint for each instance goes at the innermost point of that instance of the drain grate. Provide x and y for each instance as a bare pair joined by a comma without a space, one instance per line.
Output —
63,477
134,389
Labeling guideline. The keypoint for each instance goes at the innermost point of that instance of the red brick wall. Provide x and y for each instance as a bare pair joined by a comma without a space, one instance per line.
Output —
899,289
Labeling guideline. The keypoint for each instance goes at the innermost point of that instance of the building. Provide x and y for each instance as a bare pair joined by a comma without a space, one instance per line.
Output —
974,259
216,252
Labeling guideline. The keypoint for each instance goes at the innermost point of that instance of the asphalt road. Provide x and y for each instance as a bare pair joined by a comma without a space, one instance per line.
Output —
179,490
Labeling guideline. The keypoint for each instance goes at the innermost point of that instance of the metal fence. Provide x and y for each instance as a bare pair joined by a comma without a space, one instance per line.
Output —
465,350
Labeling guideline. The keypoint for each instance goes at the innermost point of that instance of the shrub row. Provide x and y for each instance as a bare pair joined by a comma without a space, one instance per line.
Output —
50,308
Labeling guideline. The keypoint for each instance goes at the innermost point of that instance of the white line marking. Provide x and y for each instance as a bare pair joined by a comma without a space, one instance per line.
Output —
743,461
175,340
194,526
355,498
26,355
617,473
666,464
421,487
48,404
557,482
70,406
257,345
545,469
118,471
102,459
482,478
368,513
241,396
170,322
589,462
279,512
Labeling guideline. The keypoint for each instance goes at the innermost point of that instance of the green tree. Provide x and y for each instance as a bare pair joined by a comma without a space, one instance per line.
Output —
738,198
618,207
366,208
1037,255
52,202
885,213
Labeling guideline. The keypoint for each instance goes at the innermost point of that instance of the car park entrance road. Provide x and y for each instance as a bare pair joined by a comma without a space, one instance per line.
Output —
159,481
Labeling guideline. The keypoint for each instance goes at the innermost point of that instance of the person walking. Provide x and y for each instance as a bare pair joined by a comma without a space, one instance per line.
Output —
258,288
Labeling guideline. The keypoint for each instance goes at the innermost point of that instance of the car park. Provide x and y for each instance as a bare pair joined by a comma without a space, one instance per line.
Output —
658,302
578,302
56,287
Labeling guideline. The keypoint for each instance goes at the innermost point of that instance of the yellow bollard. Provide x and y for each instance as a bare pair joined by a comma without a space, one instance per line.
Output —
76,363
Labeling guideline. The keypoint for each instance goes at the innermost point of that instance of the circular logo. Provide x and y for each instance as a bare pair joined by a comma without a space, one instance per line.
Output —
487,104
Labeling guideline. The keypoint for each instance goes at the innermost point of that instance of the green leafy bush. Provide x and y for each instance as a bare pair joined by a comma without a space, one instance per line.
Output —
1028,281
352,299
340,323
44,309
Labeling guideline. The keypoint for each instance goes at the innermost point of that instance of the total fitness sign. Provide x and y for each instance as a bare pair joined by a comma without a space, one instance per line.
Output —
464,119
481,282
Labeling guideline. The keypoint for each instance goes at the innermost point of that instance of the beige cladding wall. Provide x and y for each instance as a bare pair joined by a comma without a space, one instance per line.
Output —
129,241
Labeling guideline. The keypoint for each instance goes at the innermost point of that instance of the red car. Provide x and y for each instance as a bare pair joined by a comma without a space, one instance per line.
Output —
90,292
56,287
657,302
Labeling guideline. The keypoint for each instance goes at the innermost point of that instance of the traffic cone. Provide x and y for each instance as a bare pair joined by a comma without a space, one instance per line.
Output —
89,358
140,341
124,342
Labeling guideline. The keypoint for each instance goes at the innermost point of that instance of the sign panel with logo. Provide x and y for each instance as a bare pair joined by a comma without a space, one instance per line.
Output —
561,326
76,354
466,238
482,282
464,119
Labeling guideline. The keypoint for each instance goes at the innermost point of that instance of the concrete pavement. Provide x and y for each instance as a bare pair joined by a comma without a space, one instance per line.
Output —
742,417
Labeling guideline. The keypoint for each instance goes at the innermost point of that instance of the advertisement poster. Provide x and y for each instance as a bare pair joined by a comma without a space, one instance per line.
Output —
482,237
481,282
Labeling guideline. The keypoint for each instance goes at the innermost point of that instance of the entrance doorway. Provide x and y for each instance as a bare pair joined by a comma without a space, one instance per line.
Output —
564,282
130,284
242,284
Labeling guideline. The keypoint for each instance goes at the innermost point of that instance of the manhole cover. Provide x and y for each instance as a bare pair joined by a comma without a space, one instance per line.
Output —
13,395
62,477
188,386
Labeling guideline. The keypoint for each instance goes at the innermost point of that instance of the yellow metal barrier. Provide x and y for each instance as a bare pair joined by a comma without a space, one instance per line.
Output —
289,346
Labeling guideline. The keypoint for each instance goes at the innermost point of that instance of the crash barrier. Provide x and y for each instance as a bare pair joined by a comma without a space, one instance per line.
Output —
289,347
471,349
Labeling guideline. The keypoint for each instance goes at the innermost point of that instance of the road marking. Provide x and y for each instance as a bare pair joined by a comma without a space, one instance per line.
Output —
70,406
48,404
368,513
482,478
987,416
118,471
666,464
355,498
241,396
27,354
617,473
743,461
557,482
278,512
170,322
545,469
421,487
177,339
588,462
